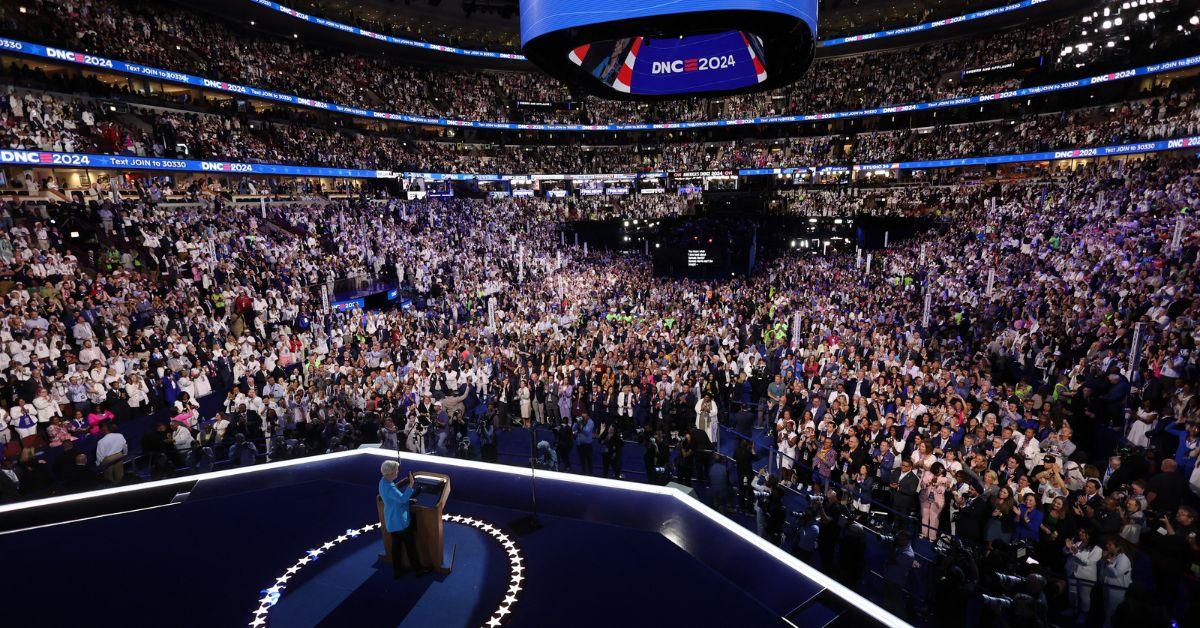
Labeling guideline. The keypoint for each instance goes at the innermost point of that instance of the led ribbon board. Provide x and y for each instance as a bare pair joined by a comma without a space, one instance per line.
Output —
670,48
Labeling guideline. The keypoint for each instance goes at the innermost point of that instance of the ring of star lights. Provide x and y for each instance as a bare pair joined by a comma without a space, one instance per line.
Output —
516,569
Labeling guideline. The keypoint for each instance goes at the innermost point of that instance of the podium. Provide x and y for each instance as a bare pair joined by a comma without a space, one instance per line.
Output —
425,512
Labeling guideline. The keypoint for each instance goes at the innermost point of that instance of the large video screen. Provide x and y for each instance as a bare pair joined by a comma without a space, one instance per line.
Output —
676,65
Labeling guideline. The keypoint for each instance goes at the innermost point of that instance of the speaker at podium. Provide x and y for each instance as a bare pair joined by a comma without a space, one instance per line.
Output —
425,514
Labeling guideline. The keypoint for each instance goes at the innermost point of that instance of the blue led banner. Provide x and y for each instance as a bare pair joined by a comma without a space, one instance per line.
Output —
1053,155
400,41
46,159
67,56
918,28
542,17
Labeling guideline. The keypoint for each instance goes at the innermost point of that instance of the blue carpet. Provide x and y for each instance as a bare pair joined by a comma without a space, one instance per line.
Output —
584,574
220,552
351,587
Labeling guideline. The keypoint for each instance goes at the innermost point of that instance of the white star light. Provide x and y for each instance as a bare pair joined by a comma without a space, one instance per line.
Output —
271,596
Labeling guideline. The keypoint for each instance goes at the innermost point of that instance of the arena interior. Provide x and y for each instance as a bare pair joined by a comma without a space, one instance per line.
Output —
741,313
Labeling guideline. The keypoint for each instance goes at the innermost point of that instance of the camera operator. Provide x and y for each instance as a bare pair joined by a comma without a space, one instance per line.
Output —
415,430
900,563
487,443
956,579
389,436
973,510
805,533
768,505
833,519
1174,547
546,458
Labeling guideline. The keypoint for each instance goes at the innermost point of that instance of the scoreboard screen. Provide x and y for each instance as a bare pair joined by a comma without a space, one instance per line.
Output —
635,50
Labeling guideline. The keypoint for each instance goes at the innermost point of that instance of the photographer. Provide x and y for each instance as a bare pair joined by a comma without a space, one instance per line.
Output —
389,436
768,505
833,519
1174,547
973,509
415,428
487,443
546,458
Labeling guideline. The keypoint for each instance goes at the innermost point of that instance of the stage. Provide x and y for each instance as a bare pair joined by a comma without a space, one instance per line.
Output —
297,544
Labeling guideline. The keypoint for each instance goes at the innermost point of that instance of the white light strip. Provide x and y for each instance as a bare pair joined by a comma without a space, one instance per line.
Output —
849,595
107,514
63,499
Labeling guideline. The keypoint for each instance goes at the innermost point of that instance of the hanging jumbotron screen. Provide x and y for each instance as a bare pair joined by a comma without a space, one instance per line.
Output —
672,49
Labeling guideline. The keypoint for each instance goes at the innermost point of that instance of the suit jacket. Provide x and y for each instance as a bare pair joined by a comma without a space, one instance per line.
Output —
908,484
904,497
1116,479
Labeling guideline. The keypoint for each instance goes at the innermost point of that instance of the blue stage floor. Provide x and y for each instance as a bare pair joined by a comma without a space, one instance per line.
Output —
205,562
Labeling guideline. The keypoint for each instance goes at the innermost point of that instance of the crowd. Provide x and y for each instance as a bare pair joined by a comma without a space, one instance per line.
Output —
175,39
47,121
992,407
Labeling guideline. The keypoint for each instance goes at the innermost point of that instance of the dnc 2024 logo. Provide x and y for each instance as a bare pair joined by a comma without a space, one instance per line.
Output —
698,64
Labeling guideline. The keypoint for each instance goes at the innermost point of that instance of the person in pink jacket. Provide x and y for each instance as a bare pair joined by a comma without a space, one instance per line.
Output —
933,497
